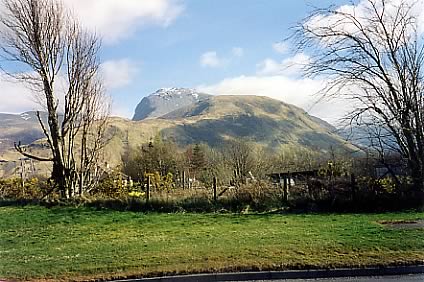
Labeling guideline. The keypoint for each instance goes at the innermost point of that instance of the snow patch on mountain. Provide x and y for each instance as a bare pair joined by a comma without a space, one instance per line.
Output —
166,100
169,93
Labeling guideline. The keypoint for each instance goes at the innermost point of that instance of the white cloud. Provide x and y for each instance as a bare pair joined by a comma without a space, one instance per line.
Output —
15,97
280,47
330,109
118,73
238,52
299,92
116,20
211,59
361,12
269,66
288,66
282,82
121,110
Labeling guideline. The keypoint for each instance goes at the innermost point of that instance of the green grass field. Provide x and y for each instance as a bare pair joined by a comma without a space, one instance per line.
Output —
38,243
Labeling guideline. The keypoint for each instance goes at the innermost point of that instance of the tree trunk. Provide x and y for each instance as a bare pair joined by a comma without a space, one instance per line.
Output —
417,176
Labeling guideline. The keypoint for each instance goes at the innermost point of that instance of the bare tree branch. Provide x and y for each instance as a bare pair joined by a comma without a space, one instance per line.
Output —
373,56
45,44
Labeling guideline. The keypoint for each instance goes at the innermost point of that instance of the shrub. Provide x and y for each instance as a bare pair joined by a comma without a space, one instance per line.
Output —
16,189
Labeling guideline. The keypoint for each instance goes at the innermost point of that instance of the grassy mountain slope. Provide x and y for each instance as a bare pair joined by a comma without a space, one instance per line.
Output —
259,119
22,128
264,121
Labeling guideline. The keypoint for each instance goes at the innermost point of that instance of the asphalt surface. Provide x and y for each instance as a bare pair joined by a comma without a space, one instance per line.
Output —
390,274
403,278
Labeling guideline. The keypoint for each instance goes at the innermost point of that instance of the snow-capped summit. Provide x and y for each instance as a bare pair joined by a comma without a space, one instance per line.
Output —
166,100
167,93
25,116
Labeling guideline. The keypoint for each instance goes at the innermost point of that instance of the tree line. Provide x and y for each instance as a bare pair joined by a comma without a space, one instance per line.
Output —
372,55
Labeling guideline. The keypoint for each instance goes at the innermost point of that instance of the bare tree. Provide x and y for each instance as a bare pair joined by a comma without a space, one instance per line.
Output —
44,45
239,156
373,54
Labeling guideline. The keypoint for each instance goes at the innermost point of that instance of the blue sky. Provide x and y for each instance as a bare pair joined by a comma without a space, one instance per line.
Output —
216,46
170,56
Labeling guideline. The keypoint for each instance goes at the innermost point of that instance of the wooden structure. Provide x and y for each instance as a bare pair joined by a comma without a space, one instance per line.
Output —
286,179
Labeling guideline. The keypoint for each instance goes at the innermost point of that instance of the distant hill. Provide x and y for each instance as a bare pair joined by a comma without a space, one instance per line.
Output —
369,136
166,100
23,128
213,120
263,120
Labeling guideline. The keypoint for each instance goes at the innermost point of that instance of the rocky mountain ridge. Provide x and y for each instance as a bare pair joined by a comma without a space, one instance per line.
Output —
22,128
166,100
199,118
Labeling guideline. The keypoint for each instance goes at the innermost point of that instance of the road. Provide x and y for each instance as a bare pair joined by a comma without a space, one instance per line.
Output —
403,278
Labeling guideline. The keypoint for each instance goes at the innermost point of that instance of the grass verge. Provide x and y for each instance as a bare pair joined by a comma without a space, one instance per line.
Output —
37,243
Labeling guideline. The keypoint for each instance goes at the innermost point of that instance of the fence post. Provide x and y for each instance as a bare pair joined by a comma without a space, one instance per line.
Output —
214,189
353,185
308,186
184,179
148,190
286,189
280,186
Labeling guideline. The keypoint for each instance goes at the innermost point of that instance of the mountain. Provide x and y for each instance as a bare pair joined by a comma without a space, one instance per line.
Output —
166,100
209,119
23,128
370,136
262,120
214,120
